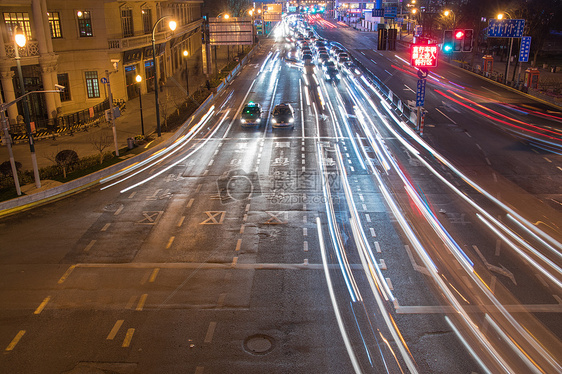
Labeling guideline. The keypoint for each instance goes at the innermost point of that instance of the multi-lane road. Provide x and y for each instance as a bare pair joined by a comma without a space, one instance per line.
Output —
348,244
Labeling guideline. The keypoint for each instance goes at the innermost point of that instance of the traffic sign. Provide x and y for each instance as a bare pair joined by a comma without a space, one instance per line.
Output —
420,94
378,12
525,48
423,55
422,73
390,12
506,28
103,80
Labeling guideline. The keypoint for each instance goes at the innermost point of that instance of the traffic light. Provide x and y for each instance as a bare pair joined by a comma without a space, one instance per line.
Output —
447,41
458,39
467,42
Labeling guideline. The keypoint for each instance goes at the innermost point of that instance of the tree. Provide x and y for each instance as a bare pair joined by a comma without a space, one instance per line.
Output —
65,159
6,168
100,140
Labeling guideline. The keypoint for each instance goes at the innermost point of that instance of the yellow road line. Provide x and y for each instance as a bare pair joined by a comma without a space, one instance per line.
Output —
128,338
170,242
42,305
15,340
153,275
115,329
142,300
65,275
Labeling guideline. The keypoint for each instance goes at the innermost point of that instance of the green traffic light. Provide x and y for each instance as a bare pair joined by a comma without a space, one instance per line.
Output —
447,48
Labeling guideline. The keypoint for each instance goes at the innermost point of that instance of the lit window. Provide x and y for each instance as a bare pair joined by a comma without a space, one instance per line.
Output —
147,20
54,24
14,19
92,85
84,24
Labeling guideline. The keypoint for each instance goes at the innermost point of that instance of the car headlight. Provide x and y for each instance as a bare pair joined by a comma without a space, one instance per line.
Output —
338,76
291,120
258,120
243,120
273,120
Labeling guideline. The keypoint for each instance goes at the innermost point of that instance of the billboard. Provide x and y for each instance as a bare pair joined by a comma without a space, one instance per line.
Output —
423,55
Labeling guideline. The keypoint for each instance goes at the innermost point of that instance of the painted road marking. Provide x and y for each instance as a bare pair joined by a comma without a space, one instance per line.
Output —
364,206
210,332
234,261
89,246
547,159
198,188
153,275
66,274
488,161
368,217
382,264
190,203
274,218
131,302
373,233
15,340
304,218
212,218
220,302
142,300
115,329
378,247
304,231
361,197
242,229
105,227
128,338
211,162
150,217
132,195
119,210
389,282
238,244
181,221
205,172
170,242
305,246
42,305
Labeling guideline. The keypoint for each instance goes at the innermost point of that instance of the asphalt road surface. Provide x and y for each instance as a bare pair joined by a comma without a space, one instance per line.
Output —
347,244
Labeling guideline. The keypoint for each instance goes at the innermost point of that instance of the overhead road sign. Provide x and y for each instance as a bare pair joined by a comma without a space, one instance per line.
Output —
506,28
525,49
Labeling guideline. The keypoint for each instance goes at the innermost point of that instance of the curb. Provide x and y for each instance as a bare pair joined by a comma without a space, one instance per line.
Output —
40,198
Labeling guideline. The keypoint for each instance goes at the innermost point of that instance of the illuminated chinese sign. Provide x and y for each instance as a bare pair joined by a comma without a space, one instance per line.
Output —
424,55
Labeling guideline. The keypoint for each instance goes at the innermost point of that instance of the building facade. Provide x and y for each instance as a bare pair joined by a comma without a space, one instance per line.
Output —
77,43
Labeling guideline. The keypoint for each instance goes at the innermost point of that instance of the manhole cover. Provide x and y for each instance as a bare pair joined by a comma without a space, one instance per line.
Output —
258,344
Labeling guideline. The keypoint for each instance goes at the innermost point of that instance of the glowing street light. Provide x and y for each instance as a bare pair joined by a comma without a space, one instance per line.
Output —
172,25
138,78
20,40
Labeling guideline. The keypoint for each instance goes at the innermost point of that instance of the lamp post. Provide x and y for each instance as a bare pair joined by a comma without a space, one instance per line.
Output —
138,78
500,16
20,40
185,54
172,25
8,139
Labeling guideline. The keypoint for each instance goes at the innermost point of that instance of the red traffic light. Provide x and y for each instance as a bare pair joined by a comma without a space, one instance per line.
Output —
459,34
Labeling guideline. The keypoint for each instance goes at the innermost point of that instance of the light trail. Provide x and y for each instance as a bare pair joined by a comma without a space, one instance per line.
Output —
177,162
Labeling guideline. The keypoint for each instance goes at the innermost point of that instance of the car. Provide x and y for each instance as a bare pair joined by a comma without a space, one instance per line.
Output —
328,64
323,57
283,115
332,74
251,115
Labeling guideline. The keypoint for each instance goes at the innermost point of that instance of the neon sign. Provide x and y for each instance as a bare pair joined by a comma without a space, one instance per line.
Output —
423,55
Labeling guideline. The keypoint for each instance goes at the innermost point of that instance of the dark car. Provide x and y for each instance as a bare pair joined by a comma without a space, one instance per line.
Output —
283,116
332,74
251,115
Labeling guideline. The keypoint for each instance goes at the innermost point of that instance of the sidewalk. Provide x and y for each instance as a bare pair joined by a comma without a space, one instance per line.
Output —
128,125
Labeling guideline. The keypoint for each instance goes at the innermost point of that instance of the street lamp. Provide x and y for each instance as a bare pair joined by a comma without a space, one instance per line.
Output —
20,40
185,54
138,78
172,25
501,16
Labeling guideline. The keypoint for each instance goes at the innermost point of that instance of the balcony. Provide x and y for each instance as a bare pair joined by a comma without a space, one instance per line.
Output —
31,49
123,44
